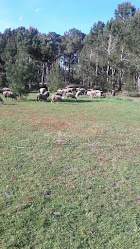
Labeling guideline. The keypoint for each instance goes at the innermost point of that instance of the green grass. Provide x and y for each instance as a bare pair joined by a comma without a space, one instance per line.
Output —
70,174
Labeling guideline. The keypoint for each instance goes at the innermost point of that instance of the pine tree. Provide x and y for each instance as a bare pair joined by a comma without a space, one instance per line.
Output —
56,78
19,74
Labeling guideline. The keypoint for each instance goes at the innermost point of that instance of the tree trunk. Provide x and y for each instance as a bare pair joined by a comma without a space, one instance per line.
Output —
121,71
120,80
108,63
139,82
42,76
30,85
97,66
113,80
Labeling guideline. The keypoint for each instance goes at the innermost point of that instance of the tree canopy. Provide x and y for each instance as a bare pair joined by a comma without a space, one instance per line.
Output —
108,56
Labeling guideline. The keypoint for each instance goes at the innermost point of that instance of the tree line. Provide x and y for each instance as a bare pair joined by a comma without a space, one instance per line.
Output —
108,57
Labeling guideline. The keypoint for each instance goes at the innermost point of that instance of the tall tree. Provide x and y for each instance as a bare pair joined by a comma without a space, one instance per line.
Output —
20,73
124,13
71,45
92,56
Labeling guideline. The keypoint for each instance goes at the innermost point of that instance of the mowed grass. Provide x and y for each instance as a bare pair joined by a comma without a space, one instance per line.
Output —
70,174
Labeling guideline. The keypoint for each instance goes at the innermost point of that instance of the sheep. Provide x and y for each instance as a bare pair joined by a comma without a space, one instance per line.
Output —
47,93
42,96
5,94
78,93
42,90
91,93
98,93
12,95
70,95
9,94
56,98
6,89
57,93
60,91
83,90
77,89
67,90
1,100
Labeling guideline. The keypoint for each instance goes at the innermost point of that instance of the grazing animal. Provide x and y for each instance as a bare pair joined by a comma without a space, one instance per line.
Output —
42,90
91,93
99,93
57,93
1,100
6,89
42,96
70,95
60,91
83,90
68,90
47,93
78,93
9,94
56,98
77,89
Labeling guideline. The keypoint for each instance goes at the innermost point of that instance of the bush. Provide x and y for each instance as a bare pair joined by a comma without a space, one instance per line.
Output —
133,94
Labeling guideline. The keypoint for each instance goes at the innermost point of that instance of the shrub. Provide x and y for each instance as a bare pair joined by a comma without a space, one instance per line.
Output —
133,94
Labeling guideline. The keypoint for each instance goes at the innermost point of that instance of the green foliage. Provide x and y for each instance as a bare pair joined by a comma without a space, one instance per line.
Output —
19,74
125,10
133,94
56,78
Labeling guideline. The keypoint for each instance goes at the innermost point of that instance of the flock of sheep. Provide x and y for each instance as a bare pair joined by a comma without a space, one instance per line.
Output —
69,92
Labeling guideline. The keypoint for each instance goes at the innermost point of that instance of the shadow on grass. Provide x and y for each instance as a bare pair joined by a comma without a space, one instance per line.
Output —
9,104
67,101
77,101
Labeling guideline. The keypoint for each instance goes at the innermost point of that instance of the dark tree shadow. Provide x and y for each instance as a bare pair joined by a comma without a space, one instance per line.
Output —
9,104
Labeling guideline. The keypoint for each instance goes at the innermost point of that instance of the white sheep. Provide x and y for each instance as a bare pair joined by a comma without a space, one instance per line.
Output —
42,96
5,89
56,98
98,93
91,93
78,93
60,91
42,90
9,94
70,95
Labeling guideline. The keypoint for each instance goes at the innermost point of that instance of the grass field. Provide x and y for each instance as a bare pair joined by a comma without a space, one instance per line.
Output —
70,174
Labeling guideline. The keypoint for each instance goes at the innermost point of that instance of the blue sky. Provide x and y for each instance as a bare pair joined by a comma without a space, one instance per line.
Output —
57,15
